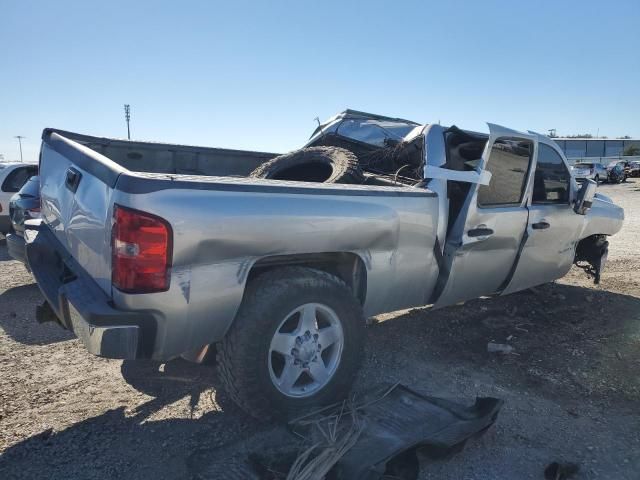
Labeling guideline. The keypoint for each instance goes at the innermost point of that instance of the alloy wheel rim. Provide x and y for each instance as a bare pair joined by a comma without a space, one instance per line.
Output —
305,350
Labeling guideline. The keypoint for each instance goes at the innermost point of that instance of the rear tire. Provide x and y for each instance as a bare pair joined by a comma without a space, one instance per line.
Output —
255,373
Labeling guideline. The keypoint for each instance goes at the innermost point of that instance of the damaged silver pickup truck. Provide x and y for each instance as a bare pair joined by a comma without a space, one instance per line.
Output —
149,250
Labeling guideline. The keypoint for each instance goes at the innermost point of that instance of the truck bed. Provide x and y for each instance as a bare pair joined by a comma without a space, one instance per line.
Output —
169,158
224,227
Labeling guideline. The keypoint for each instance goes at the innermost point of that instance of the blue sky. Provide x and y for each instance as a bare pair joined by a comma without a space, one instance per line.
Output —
254,75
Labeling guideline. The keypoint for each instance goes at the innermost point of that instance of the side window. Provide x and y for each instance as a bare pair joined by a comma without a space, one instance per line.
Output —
16,179
508,163
552,179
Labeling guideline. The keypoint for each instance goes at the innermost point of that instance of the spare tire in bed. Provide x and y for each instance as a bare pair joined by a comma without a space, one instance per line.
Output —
313,164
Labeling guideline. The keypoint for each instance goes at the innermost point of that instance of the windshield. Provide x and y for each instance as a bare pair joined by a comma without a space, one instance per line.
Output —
380,133
583,165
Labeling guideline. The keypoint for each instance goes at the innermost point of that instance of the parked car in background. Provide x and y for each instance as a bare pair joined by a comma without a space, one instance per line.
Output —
613,175
616,174
593,171
626,165
148,250
12,177
634,169
24,205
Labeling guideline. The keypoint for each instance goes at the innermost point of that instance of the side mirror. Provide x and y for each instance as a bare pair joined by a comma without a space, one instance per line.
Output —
585,197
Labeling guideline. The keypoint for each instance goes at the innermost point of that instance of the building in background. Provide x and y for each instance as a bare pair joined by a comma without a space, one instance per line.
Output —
601,150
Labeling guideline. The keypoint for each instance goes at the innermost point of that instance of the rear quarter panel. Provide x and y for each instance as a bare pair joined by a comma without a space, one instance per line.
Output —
220,233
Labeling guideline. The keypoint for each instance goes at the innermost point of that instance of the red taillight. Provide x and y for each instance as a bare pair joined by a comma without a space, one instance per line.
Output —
141,246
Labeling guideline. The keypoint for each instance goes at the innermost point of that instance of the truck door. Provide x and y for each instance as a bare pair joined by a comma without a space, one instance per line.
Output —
483,243
553,226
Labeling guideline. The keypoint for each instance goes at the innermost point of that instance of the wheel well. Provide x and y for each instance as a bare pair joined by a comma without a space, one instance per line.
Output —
591,247
589,254
348,267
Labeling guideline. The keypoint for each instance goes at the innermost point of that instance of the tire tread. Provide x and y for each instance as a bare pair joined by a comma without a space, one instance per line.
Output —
234,352
345,164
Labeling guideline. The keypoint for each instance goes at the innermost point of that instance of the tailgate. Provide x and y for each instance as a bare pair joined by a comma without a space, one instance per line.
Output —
76,188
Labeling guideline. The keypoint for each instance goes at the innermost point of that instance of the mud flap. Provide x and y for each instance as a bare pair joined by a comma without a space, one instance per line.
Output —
599,266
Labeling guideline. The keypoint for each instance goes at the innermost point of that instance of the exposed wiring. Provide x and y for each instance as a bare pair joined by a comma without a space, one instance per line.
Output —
395,177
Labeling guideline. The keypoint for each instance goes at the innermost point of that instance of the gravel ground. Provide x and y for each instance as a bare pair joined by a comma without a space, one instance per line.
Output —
572,392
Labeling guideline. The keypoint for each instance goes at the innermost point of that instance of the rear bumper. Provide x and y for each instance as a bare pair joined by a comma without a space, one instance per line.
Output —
16,247
81,306
590,176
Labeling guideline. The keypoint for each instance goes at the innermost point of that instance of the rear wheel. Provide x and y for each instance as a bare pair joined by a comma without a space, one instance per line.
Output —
295,344
597,179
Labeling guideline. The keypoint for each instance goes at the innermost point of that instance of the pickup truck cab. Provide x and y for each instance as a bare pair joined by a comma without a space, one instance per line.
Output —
150,250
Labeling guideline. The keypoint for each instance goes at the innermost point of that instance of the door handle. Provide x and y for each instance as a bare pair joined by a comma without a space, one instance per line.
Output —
480,232
72,179
540,225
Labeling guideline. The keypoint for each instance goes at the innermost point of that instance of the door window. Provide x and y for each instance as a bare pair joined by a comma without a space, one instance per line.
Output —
552,179
508,163
16,179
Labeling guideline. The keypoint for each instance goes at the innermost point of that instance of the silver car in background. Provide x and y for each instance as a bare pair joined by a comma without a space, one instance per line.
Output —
593,171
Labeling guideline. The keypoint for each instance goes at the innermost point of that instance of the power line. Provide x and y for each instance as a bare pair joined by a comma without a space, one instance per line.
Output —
20,137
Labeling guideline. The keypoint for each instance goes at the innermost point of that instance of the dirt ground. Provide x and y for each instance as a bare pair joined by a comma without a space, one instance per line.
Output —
571,391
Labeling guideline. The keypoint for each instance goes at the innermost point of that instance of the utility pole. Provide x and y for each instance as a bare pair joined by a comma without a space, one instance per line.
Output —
20,137
127,117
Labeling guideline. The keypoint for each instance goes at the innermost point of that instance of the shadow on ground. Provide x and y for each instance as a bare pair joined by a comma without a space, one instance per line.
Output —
567,340
18,317
630,183
129,444
4,253
570,341
168,382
